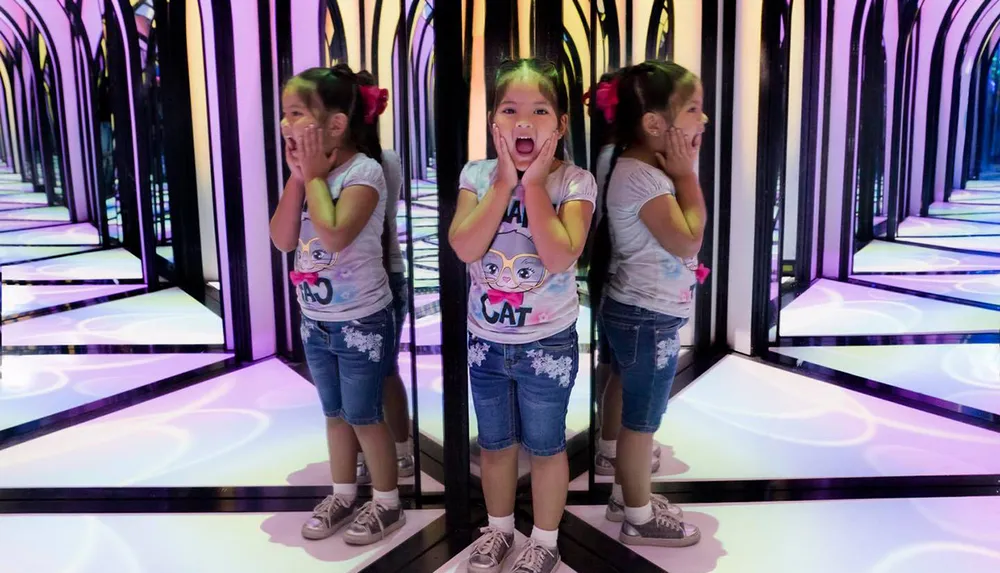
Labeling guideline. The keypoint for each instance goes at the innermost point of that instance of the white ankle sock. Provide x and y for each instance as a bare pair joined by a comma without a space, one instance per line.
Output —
545,538
361,457
404,448
639,515
608,448
617,495
504,524
388,498
349,490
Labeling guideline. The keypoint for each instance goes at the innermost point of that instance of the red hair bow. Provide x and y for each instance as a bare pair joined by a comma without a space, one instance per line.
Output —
607,98
376,100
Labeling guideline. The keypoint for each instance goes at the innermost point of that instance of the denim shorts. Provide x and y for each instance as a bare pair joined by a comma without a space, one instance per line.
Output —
644,349
400,305
348,361
521,391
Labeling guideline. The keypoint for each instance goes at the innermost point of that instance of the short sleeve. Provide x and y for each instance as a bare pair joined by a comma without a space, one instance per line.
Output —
366,172
580,186
644,184
476,176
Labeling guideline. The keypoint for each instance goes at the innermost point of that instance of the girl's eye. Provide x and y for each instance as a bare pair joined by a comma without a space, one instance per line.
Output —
541,111
507,110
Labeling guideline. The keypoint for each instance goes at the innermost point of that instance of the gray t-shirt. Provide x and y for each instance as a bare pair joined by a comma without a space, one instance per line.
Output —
646,274
351,284
393,170
513,299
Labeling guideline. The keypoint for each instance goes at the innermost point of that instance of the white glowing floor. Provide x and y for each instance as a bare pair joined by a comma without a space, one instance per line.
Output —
19,299
928,227
967,374
976,288
745,420
188,543
29,213
77,234
11,255
105,264
832,308
886,257
457,565
169,316
259,426
928,535
41,385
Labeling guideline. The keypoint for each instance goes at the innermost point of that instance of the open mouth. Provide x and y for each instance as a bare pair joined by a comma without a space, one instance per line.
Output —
524,145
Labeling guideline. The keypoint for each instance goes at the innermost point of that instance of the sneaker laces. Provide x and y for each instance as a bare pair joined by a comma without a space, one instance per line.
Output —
663,517
533,556
490,541
660,501
368,515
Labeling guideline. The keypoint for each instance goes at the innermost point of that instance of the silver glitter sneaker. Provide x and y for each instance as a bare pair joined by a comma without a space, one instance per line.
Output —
663,530
374,522
616,511
328,517
364,476
405,467
605,466
535,558
490,551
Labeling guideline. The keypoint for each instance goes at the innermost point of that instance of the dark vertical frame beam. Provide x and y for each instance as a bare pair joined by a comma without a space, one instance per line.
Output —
178,133
772,129
931,131
707,167
271,154
725,123
811,62
289,339
239,292
452,151
956,93
850,188
899,100
406,155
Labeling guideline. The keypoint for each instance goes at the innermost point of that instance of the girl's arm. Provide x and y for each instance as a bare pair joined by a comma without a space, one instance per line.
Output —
338,226
678,223
287,217
476,222
559,238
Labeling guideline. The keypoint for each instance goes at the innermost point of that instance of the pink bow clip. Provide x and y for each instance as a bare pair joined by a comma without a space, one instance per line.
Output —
497,296
607,98
376,100
702,273
299,278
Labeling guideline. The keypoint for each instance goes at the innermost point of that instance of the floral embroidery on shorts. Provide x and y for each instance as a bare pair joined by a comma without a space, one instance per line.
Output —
370,343
555,368
305,329
666,350
477,353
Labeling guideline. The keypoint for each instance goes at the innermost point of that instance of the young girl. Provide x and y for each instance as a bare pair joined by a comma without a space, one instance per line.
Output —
520,224
653,223
397,411
609,388
332,214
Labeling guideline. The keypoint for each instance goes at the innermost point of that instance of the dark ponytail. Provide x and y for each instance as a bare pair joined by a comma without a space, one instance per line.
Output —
367,141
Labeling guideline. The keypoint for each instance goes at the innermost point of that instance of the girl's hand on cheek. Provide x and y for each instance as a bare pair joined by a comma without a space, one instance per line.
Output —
539,169
313,161
682,152
505,177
